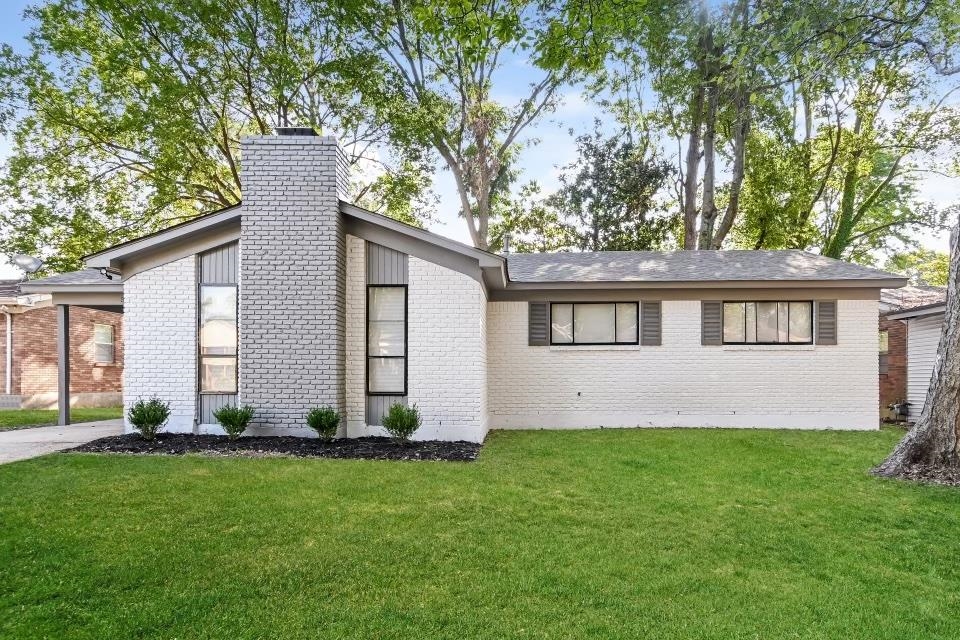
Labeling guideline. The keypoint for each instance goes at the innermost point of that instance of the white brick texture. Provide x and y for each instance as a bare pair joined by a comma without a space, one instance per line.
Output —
683,383
160,333
447,365
292,293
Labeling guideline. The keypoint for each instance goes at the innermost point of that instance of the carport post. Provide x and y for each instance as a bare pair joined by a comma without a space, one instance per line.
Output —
63,364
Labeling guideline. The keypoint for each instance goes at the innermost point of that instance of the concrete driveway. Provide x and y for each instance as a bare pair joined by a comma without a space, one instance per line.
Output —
21,444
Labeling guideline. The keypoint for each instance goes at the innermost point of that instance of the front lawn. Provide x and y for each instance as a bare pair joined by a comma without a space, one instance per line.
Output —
23,418
562,534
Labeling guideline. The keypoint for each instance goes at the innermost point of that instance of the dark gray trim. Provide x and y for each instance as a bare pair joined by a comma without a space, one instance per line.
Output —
651,321
636,334
538,324
925,310
711,322
63,364
826,322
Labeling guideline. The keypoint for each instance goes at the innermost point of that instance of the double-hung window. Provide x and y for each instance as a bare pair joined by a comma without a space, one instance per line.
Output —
387,340
594,323
103,343
218,338
768,322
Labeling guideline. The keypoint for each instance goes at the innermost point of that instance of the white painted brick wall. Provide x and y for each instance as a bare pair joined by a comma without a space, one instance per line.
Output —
446,350
683,383
160,340
355,336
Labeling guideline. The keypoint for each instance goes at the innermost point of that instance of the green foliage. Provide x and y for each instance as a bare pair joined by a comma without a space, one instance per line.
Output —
127,117
234,420
324,420
605,201
147,417
401,421
923,266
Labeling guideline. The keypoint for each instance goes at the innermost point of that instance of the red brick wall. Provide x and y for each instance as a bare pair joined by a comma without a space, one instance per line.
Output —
893,384
35,352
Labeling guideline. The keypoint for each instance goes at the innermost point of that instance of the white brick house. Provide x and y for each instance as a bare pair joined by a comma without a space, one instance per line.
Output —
296,299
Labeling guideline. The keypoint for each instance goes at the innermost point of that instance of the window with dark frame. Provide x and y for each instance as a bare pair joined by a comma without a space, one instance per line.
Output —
884,352
594,323
103,350
387,340
768,322
218,338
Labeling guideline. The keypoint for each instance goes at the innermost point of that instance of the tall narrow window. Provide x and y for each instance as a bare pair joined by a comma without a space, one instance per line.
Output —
387,340
884,352
218,338
103,343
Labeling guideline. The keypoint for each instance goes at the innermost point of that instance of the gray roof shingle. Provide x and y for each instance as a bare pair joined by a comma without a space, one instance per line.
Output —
79,277
685,266
913,296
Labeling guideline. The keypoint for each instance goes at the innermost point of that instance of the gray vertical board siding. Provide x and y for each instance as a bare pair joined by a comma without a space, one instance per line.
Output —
220,265
651,320
378,406
384,266
217,266
211,402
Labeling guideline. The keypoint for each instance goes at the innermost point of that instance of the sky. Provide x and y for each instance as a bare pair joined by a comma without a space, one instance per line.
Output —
553,148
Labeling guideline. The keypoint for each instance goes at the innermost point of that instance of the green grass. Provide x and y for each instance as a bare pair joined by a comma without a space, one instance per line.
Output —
578,534
23,418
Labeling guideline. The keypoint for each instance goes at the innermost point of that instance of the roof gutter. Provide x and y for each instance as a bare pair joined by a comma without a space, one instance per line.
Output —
917,312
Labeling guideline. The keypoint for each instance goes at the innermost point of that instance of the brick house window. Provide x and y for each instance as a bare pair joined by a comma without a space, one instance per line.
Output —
884,352
387,340
767,323
597,323
218,338
103,343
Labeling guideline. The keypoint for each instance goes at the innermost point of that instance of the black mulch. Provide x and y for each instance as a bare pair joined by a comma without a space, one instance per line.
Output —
176,444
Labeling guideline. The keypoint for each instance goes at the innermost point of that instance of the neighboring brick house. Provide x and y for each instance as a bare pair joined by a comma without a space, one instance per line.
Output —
295,299
910,322
96,345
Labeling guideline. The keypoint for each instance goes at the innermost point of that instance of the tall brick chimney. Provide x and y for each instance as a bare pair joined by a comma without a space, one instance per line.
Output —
292,276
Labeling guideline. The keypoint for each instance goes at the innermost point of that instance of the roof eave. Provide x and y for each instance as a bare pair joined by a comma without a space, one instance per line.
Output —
705,284
917,312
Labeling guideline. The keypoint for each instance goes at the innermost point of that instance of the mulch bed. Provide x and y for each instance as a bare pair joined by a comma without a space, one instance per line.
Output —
177,444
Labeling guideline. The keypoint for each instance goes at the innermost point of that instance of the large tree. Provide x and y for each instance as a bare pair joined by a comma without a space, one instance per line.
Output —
931,449
126,117
451,63
606,200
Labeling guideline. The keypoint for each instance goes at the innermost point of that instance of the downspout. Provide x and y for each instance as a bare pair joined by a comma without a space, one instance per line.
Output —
8,369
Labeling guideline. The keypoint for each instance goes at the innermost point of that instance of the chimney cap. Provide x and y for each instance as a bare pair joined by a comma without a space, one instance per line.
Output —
296,131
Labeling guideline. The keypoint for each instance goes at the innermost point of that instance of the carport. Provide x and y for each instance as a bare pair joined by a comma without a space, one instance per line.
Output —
84,288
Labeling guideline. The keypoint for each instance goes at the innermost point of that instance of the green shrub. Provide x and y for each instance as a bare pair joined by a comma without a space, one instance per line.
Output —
324,420
147,417
401,422
234,420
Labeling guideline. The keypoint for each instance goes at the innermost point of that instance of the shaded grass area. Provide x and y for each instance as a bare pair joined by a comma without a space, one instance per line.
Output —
574,534
24,418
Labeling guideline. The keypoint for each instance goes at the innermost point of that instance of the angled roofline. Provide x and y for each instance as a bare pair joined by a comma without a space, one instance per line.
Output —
486,258
110,256
916,312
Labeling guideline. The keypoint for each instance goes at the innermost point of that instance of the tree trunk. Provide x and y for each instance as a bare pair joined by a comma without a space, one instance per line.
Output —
692,170
932,443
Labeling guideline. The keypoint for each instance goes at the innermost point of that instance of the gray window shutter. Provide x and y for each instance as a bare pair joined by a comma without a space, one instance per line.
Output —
538,324
650,323
827,322
711,322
